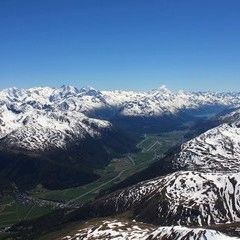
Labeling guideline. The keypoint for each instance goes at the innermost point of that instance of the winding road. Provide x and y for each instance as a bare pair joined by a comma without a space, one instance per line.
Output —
95,189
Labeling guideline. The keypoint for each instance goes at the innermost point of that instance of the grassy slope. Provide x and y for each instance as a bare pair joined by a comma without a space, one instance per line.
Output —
12,212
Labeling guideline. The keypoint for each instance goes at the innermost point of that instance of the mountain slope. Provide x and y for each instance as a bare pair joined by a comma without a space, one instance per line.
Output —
215,150
41,134
215,197
183,233
41,115
201,196
162,101
186,198
37,130
71,164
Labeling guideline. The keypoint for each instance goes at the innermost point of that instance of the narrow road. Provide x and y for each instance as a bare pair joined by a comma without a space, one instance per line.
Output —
95,189
131,160
28,213
145,138
150,147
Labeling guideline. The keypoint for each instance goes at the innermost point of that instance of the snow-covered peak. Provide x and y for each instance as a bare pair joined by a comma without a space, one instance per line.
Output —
18,104
63,92
162,90
89,90
12,94
43,118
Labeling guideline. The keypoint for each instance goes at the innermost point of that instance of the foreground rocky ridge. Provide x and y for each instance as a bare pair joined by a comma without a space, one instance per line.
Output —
122,230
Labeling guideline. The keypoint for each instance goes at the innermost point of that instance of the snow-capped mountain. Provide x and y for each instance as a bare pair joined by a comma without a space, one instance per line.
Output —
37,140
162,101
29,120
111,229
46,98
218,149
182,198
122,230
155,102
44,117
215,150
33,129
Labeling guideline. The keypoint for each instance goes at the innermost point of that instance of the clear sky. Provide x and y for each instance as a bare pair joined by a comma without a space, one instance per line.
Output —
121,44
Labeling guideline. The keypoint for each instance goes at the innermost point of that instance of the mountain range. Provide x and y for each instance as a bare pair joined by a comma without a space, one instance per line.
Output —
67,133
47,118
66,123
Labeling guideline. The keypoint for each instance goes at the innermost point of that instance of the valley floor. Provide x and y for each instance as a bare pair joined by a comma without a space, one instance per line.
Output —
151,148
39,202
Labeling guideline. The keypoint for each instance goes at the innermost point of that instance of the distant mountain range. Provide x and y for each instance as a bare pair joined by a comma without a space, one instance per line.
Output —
128,103
46,118
61,126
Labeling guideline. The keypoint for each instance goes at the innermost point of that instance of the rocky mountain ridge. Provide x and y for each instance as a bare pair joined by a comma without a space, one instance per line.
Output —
120,230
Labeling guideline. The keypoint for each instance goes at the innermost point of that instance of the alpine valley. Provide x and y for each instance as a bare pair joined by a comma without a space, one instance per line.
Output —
89,164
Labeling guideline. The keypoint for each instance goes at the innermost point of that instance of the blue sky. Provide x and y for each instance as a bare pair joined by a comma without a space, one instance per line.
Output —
121,44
